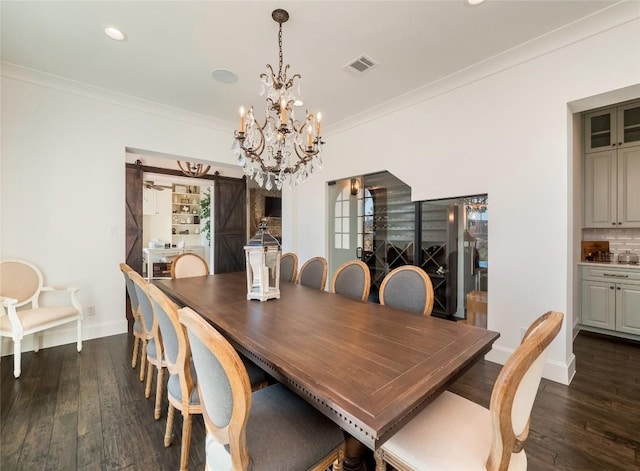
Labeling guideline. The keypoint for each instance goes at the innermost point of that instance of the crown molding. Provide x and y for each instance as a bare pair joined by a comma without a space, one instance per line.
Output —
73,87
618,14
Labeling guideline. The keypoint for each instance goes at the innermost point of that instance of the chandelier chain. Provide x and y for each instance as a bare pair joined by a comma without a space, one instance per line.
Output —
280,56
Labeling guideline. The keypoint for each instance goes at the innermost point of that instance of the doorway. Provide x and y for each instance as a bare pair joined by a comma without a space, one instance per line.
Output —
373,218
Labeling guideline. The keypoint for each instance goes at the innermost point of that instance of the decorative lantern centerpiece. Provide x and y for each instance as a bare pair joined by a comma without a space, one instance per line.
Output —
262,254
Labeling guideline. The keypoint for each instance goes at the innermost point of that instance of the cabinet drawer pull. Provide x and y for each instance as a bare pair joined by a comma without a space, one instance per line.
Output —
616,275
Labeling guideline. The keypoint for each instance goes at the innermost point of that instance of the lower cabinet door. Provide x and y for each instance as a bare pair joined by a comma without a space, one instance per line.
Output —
628,308
598,304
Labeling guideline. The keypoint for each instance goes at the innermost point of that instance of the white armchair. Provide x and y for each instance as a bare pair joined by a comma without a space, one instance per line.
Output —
20,285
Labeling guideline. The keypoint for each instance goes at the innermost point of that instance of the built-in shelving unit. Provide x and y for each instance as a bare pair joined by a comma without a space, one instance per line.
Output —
185,214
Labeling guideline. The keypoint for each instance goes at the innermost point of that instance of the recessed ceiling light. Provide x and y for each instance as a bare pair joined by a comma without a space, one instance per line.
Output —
475,2
224,76
114,33
298,103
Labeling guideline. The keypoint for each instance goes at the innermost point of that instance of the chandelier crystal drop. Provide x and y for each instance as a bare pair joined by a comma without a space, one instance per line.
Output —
283,148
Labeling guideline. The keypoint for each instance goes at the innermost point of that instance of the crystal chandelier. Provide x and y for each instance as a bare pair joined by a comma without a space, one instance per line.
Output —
476,204
283,148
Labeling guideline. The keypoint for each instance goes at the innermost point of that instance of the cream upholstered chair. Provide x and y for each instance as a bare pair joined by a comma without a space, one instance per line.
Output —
154,346
313,273
270,429
187,265
353,280
408,288
139,336
21,284
288,267
453,433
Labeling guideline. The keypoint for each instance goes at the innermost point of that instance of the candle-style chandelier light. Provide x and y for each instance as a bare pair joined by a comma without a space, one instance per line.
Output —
282,149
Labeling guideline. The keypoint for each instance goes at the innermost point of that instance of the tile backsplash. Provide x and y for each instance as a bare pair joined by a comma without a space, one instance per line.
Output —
619,239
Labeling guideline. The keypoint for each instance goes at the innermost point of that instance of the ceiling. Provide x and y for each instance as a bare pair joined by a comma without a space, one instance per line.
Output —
172,46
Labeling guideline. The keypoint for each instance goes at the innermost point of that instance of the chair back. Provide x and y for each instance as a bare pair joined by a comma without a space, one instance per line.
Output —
144,302
131,289
313,273
177,351
224,388
408,288
353,280
515,390
147,316
288,267
187,265
20,280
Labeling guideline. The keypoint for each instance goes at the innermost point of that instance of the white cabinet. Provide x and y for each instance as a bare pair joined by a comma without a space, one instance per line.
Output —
156,202
628,308
598,304
610,299
612,128
612,188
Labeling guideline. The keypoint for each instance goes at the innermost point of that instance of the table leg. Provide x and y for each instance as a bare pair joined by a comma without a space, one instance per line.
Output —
354,455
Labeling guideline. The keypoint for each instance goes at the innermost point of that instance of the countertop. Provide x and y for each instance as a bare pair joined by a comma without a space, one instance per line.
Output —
612,265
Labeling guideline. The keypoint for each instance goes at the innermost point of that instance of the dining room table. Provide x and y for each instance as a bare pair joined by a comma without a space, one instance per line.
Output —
368,367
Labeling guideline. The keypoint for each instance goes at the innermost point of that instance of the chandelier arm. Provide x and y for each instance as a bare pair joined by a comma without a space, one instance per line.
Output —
185,171
289,84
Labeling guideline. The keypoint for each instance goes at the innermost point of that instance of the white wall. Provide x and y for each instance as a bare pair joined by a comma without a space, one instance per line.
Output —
508,134
63,182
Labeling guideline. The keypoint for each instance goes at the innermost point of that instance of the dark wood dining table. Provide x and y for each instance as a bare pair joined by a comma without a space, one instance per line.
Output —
367,367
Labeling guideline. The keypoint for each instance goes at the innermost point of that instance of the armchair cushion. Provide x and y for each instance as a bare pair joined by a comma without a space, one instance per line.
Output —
34,318
451,434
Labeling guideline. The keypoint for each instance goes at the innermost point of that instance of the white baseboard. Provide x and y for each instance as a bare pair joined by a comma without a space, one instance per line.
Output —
553,370
66,334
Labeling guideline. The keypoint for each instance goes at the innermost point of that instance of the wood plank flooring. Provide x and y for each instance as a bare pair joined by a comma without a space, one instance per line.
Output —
87,411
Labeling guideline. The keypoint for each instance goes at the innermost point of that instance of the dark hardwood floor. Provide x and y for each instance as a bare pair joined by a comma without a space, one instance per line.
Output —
87,411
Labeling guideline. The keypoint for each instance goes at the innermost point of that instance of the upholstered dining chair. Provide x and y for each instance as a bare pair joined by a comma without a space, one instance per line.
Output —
181,386
188,264
288,267
477,438
139,337
155,346
270,429
352,279
408,288
21,284
313,273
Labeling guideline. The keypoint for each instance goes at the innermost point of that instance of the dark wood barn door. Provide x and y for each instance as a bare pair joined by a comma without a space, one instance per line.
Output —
229,224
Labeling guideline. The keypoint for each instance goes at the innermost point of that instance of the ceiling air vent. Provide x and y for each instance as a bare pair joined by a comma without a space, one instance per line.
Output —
360,65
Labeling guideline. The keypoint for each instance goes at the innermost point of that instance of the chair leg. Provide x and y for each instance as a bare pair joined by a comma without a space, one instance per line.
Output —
143,360
159,385
186,441
79,345
147,389
337,464
168,432
17,350
380,464
37,342
136,345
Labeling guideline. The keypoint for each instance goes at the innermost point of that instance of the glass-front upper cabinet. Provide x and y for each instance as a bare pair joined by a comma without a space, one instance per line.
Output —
614,127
